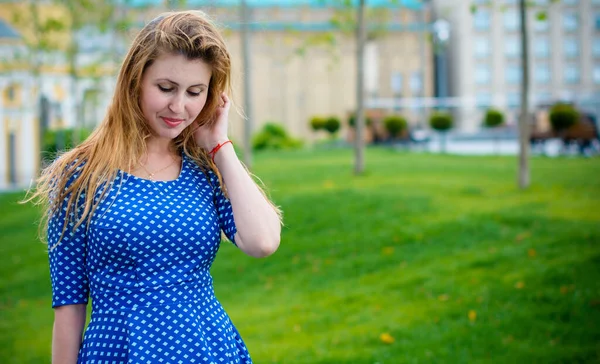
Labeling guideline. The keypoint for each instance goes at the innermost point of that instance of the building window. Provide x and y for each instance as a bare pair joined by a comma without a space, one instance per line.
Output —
512,47
542,97
541,25
542,73
483,75
570,22
513,74
572,74
596,75
481,20
482,48
483,99
511,20
396,83
513,99
541,48
571,47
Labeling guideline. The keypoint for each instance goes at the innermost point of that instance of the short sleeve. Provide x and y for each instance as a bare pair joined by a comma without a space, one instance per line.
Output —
224,209
70,283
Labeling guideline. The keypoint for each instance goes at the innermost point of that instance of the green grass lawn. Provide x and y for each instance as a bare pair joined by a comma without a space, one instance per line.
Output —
425,258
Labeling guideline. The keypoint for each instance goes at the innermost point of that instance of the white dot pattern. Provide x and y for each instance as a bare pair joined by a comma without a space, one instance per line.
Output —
145,262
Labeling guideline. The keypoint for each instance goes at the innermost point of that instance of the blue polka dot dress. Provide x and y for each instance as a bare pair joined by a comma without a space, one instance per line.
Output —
145,261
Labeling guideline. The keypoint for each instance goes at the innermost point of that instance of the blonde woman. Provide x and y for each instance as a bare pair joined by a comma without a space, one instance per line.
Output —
135,213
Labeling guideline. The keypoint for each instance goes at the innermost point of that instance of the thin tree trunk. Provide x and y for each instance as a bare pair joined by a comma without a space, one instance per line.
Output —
247,83
524,177
359,161
36,70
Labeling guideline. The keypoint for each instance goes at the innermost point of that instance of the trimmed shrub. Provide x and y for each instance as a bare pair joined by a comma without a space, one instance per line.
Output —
352,120
440,121
563,116
493,118
332,124
317,123
274,136
395,125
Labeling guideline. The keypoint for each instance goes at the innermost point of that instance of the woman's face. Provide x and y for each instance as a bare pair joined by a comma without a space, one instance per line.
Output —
173,92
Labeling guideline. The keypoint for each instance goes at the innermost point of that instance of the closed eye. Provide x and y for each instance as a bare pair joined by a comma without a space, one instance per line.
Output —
165,89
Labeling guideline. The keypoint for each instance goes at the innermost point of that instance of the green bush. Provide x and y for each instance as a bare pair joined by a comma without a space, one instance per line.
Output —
274,136
352,120
332,124
317,123
563,116
395,124
493,118
440,121
61,139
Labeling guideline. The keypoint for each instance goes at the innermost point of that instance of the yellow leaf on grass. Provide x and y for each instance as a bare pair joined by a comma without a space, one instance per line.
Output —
472,315
520,285
522,236
532,253
443,297
564,289
328,184
386,338
388,250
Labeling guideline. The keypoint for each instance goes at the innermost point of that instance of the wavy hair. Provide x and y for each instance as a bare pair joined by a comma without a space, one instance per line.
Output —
119,141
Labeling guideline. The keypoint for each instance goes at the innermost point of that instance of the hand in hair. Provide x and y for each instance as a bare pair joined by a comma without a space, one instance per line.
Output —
211,134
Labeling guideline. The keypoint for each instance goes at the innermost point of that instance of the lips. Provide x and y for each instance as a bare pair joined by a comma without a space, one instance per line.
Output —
171,121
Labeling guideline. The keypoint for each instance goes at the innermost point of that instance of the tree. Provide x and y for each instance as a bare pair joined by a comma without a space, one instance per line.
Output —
562,117
395,125
442,122
332,125
493,119
524,132
359,148
247,84
524,176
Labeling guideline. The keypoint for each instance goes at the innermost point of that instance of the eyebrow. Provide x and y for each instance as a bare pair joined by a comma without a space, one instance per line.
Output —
176,84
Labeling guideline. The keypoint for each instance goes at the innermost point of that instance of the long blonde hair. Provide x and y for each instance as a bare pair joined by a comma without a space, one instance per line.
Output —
119,141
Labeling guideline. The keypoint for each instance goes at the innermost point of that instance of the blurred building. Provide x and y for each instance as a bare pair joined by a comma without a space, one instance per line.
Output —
484,55
302,55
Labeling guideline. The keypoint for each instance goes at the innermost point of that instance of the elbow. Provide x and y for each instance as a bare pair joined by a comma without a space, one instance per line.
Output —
267,247
263,247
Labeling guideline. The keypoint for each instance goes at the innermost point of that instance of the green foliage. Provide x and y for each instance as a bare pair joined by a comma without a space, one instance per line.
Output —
493,118
274,136
352,120
440,121
395,124
563,116
447,235
332,124
317,123
61,139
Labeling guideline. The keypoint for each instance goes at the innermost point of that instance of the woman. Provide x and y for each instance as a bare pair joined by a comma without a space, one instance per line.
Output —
135,213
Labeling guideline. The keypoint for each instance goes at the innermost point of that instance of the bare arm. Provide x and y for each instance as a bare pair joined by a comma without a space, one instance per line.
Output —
69,321
258,225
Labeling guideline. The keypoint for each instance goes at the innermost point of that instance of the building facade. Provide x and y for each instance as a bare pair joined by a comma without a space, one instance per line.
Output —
301,66
485,55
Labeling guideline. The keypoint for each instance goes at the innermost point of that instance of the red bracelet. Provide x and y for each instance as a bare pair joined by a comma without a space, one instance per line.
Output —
216,149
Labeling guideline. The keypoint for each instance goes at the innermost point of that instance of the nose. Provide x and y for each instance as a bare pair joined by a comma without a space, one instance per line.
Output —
177,103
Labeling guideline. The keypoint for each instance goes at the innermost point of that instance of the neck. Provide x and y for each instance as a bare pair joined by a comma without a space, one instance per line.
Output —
159,146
